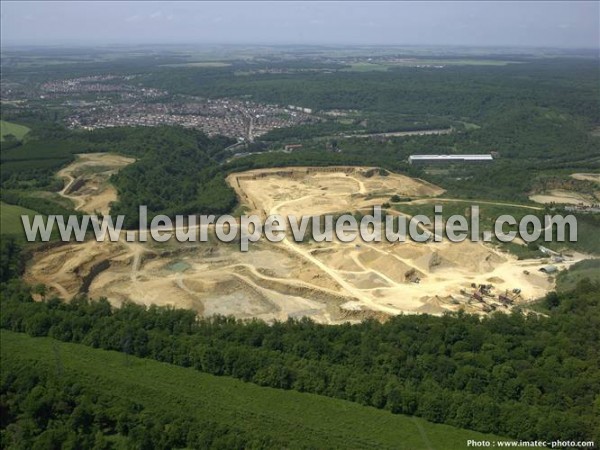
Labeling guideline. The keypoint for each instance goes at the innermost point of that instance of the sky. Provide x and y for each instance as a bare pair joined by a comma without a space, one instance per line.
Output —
571,24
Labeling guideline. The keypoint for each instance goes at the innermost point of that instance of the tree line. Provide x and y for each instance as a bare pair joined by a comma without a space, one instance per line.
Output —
526,376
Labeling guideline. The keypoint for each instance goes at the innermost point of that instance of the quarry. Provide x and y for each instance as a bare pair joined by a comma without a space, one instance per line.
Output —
329,282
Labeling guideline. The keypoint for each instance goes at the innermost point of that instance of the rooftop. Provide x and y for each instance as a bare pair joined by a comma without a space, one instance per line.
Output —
485,157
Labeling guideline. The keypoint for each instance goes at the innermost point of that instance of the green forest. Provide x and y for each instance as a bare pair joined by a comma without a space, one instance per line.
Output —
458,91
65,395
532,376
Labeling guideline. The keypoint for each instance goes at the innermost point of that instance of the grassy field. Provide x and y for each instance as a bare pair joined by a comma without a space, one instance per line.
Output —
18,131
465,62
567,280
200,64
587,241
10,219
470,126
303,420
366,67
488,213
587,234
383,66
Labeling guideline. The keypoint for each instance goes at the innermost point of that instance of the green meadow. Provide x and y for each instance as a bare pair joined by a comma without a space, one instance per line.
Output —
18,131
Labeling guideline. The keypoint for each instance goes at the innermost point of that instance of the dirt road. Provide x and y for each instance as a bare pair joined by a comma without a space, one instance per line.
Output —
87,183
330,282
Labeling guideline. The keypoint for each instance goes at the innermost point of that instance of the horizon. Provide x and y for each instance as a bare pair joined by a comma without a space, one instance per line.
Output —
544,24
323,45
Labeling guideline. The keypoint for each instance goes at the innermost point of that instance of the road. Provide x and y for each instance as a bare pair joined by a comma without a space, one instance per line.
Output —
473,202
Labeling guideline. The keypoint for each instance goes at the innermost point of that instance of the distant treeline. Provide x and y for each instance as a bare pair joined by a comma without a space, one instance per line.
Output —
376,124
536,115
569,84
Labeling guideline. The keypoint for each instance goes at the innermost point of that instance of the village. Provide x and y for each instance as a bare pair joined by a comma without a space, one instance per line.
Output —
117,102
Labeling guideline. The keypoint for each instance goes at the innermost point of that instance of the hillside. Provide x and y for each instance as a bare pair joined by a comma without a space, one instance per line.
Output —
283,418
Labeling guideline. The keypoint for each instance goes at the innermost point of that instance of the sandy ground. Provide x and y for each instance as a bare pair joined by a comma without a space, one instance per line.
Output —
570,197
587,176
563,197
86,181
313,191
330,282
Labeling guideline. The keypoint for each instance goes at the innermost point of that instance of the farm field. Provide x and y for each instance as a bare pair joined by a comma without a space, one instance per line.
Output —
200,64
18,131
412,62
11,219
298,420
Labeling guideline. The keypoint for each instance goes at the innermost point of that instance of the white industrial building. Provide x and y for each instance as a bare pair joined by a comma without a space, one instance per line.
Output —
427,159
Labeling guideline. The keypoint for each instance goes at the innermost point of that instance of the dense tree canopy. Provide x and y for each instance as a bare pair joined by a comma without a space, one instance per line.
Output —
526,376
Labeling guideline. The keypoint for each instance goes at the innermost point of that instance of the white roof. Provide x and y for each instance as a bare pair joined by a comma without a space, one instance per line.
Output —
453,157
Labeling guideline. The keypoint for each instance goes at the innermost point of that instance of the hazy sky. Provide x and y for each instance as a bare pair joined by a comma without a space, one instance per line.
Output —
537,23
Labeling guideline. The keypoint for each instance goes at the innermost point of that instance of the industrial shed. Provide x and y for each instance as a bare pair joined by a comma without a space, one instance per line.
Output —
549,269
445,159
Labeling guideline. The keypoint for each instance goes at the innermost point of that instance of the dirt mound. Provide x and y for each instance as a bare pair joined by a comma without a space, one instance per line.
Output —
433,262
496,280
470,257
435,305
338,258
385,264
